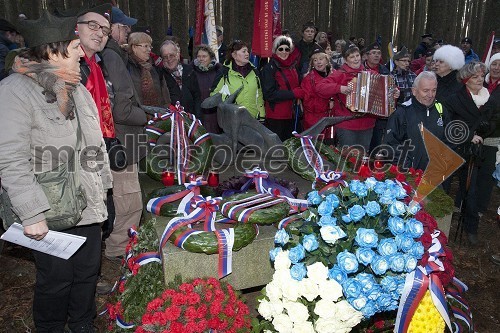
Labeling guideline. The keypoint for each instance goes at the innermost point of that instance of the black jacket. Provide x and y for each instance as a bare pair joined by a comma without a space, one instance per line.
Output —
189,95
403,125
447,86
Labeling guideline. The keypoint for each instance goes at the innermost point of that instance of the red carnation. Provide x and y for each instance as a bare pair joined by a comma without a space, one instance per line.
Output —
364,171
186,287
400,177
179,299
176,327
426,240
379,176
393,169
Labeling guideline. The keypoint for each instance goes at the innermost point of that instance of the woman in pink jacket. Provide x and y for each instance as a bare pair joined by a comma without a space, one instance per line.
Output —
355,132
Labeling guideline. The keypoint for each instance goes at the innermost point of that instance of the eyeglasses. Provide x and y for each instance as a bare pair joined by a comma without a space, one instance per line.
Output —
93,25
284,49
144,46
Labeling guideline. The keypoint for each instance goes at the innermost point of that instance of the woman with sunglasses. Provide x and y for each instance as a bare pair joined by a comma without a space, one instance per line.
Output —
281,87
151,88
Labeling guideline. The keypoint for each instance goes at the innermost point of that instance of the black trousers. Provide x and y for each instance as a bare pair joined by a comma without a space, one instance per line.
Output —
282,127
485,180
470,197
65,289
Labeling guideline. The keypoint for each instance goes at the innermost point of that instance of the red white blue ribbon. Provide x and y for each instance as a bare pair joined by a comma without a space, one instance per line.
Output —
454,291
192,188
225,240
315,160
416,285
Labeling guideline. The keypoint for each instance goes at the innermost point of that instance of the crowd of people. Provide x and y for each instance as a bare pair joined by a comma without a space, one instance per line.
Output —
94,87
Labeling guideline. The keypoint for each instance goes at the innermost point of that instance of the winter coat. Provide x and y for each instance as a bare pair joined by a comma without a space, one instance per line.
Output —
403,125
315,107
306,50
189,95
279,80
420,50
158,81
330,87
129,118
29,127
447,85
471,56
250,96
495,95
205,79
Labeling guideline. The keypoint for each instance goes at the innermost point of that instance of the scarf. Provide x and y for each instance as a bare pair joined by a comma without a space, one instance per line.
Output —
243,70
149,91
491,85
97,88
202,68
58,83
481,98
177,75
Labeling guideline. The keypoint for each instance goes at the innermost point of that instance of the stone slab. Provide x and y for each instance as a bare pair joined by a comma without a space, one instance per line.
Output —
251,264
444,224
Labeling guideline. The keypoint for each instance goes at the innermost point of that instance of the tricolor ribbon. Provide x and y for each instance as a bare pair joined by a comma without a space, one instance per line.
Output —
315,160
192,188
460,309
121,323
240,210
416,285
225,240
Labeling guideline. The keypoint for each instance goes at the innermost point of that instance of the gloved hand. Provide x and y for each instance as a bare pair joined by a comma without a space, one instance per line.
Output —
299,93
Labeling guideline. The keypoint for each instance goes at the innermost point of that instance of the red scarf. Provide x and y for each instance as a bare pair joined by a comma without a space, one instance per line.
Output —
97,88
493,85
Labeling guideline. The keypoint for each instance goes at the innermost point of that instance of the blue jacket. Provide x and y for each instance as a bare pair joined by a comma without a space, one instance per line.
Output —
471,56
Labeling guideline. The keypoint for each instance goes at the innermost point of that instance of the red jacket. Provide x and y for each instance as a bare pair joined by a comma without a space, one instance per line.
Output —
277,95
315,107
330,87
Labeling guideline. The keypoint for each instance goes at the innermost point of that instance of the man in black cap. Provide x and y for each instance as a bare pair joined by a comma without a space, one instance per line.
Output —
402,74
8,34
424,45
469,54
306,46
121,26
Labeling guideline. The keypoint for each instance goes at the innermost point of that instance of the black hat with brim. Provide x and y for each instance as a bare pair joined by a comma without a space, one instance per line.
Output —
103,10
373,46
48,29
403,53
426,36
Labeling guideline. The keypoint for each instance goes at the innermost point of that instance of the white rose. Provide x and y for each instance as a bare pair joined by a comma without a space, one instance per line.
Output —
298,312
282,277
325,309
331,234
303,327
309,289
317,272
330,290
323,325
266,310
347,314
277,307
282,261
282,323
273,291
290,289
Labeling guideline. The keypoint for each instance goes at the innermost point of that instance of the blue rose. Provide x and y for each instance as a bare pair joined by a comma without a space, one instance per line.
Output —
325,209
413,207
327,220
417,250
397,263
399,191
297,253
346,218
274,252
314,198
352,288
386,198
380,188
389,284
333,199
281,237
370,183
310,242
396,225
356,213
389,182
383,301
404,242
298,271
372,208
358,188
358,302
374,293
337,274
366,237
397,208
410,263
379,265
369,310
354,185
330,234
367,282
387,247
364,255
347,262
414,227
401,284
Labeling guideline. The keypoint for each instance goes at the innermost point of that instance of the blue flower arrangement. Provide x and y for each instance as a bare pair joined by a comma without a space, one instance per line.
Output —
365,233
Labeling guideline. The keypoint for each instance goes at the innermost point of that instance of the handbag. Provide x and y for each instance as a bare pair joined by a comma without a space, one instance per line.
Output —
63,190
116,153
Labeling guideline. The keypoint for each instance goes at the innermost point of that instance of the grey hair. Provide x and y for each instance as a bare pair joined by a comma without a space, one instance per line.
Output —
170,42
470,69
428,75
282,40
340,41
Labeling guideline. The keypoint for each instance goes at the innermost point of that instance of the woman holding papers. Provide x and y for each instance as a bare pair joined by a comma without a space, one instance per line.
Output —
46,114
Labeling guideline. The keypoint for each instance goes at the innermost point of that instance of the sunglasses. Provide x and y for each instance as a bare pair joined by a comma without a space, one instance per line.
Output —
284,49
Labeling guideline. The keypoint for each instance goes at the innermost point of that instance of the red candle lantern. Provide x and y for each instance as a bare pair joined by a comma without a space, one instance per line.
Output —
213,178
168,178
378,164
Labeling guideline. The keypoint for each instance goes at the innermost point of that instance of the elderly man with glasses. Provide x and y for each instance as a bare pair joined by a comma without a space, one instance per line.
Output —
402,74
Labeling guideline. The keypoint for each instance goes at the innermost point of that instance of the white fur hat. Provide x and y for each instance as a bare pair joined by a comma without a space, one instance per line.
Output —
451,55
494,57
